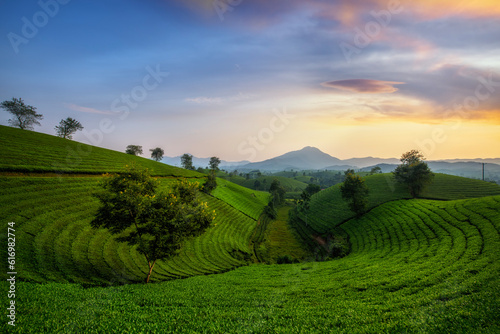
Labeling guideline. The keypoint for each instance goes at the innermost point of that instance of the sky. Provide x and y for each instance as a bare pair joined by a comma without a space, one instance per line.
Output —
253,79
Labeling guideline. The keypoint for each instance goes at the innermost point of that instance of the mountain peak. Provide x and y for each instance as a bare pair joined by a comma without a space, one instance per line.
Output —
310,148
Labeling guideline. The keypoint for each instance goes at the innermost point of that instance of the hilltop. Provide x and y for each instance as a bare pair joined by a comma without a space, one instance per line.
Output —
29,151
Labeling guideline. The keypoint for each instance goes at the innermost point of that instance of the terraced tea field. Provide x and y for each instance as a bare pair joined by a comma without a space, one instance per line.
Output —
28,151
417,266
243,199
327,209
56,241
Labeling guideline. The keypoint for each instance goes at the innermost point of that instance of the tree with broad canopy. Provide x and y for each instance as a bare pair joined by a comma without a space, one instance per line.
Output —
156,222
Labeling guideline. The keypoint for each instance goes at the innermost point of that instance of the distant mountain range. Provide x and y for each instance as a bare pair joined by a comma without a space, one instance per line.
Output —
311,158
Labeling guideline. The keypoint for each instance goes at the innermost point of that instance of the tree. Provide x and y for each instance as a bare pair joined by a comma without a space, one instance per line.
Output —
256,185
312,189
134,149
412,157
355,191
187,161
414,173
157,154
211,183
25,116
214,163
67,127
375,170
349,171
157,223
278,192
304,200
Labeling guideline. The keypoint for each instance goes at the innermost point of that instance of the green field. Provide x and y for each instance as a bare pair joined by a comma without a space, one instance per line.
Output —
28,151
327,209
280,240
52,211
426,265
417,266
289,184
245,200
53,215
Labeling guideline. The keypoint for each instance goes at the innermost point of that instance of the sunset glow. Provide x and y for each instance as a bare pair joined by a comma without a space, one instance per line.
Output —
364,78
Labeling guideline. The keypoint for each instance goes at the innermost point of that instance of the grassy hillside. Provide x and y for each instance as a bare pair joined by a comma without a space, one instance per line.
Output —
56,242
265,182
52,213
417,266
29,151
250,202
327,209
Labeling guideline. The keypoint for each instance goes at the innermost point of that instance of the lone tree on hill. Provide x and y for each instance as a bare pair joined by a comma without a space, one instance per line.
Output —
158,223
214,163
187,161
67,127
413,172
25,116
134,150
355,191
157,154
375,170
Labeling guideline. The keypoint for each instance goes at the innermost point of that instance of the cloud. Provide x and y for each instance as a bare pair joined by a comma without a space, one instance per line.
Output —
87,110
366,86
349,13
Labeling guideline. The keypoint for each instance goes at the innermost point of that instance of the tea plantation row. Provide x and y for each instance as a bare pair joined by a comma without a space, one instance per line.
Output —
417,266
56,243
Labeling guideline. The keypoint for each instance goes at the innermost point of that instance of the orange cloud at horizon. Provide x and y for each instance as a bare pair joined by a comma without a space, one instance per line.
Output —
433,9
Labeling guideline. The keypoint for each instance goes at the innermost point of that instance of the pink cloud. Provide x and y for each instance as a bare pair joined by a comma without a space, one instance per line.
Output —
86,109
365,86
